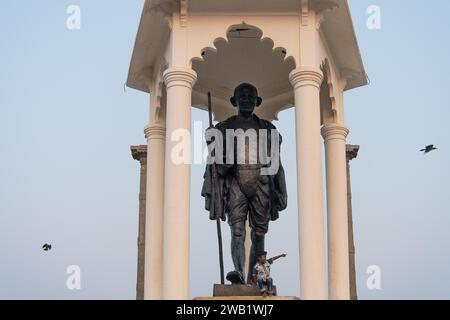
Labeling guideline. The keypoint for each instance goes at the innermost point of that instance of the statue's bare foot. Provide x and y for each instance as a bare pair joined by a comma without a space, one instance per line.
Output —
235,277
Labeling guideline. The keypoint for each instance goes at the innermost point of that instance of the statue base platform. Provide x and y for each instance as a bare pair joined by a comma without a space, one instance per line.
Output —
248,298
238,290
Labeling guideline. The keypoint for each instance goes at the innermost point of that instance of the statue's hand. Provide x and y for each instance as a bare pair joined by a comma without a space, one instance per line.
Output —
209,134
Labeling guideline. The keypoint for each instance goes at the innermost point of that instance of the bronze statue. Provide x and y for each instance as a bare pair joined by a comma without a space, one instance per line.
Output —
243,190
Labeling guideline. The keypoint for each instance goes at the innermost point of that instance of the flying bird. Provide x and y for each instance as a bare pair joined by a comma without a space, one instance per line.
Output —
47,247
428,149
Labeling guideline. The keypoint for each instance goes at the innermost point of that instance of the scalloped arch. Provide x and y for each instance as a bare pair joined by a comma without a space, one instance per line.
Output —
259,34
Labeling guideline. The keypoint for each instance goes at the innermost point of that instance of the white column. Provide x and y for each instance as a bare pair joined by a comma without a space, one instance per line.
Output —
338,260
306,82
153,274
179,82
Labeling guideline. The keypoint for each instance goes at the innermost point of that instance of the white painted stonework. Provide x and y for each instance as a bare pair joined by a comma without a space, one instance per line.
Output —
299,54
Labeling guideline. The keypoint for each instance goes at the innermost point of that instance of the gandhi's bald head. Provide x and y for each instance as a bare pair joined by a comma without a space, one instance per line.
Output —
246,98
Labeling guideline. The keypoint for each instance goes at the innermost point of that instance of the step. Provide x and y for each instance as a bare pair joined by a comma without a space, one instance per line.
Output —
230,290
247,298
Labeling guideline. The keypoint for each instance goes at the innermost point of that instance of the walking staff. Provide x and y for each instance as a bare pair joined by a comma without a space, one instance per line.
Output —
213,173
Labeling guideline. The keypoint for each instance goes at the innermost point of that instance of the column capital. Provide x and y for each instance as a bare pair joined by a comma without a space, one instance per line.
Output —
139,153
334,131
352,151
306,76
155,131
185,77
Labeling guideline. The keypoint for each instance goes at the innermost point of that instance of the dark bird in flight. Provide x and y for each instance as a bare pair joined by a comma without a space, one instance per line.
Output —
47,247
428,149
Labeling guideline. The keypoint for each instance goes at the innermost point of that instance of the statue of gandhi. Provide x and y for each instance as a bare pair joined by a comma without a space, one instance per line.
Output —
242,189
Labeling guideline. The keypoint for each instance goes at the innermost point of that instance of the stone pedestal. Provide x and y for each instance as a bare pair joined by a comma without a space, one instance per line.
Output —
258,298
238,290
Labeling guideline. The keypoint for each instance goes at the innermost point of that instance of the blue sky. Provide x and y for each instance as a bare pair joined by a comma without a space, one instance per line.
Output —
67,176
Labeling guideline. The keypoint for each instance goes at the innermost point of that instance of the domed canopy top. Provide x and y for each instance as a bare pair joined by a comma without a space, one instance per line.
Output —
154,35
154,30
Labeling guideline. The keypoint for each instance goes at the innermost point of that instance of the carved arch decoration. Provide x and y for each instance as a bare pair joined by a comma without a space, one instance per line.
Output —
329,108
158,107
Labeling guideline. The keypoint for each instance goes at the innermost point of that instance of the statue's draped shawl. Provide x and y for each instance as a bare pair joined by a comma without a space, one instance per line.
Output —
217,206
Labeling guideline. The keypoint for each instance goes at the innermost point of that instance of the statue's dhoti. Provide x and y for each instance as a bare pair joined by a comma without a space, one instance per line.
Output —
249,194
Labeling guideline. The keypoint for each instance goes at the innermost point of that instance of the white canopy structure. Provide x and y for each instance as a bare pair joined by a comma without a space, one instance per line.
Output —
298,53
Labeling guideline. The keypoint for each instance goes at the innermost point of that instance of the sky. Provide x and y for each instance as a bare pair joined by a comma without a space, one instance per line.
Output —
67,176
